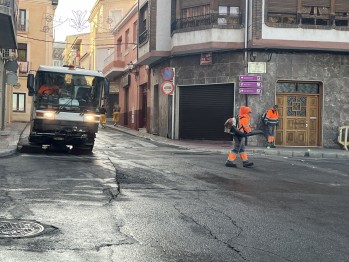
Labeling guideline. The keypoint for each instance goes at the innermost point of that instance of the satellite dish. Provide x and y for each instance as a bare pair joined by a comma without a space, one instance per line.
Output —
11,66
11,78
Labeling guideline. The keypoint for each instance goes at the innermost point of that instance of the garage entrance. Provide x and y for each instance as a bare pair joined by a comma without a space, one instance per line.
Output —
203,109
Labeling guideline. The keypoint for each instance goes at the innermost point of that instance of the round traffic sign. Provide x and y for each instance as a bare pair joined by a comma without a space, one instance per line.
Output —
167,87
167,73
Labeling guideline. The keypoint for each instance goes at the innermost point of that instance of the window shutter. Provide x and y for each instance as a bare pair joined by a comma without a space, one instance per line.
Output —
188,4
342,6
324,3
230,2
277,6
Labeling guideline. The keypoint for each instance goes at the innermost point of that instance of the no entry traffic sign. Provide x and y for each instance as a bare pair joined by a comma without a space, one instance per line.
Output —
167,87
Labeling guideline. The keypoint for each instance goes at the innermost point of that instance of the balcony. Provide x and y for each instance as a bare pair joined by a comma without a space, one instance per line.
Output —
8,20
113,67
23,27
207,33
206,22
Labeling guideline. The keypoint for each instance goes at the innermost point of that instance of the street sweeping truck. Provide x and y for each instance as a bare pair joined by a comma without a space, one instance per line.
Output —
66,104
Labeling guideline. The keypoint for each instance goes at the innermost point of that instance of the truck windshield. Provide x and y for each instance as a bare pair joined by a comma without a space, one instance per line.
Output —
68,92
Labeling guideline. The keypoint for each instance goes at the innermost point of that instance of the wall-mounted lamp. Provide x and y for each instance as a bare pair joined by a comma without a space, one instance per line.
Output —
133,68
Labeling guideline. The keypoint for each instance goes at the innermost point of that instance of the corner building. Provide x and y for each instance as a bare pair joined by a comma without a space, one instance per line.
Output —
299,48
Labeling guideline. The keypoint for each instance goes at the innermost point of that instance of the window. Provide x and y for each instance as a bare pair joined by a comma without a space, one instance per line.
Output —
195,11
341,13
143,25
22,20
115,16
134,40
18,102
294,87
143,18
118,49
127,38
315,14
283,12
22,52
226,12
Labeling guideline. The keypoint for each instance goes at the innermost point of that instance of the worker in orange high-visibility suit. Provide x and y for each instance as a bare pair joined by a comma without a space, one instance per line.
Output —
271,120
239,147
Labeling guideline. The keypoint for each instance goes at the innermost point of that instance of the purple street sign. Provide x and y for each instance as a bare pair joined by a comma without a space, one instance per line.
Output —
250,84
250,78
250,91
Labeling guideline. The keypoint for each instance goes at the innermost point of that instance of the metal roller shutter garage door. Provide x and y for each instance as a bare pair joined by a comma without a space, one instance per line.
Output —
203,109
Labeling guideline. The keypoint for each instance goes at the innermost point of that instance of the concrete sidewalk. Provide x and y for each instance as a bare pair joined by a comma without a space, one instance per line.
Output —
224,146
10,137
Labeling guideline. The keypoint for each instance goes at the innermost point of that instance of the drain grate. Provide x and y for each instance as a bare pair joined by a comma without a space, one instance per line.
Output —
19,228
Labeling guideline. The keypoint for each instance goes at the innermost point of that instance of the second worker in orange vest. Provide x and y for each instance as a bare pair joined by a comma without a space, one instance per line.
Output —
239,147
271,120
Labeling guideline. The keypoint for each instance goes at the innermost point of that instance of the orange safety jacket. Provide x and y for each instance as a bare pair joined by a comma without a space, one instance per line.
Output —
271,117
244,122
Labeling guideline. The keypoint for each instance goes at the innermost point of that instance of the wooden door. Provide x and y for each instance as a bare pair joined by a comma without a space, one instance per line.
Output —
299,120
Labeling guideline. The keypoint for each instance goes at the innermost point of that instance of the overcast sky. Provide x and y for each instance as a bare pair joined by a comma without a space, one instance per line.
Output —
71,18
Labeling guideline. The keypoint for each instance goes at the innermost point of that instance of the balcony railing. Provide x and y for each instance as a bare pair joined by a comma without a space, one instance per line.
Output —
7,3
210,20
109,59
23,27
337,21
13,4
143,37
23,67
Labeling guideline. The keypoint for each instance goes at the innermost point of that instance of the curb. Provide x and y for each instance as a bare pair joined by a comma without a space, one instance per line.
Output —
286,152
306,153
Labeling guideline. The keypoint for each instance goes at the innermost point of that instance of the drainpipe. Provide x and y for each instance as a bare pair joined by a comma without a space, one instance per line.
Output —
245,48
173,105
246,42
3,98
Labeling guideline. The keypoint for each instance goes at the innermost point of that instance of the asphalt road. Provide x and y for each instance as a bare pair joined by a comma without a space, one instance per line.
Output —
138,200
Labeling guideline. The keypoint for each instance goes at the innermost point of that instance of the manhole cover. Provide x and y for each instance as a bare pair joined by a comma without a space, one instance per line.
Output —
16,228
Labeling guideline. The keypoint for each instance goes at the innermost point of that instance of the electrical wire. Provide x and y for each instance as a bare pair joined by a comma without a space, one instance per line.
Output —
57,42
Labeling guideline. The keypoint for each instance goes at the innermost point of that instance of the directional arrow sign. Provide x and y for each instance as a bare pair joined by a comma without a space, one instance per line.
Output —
250,91
250,84
250,78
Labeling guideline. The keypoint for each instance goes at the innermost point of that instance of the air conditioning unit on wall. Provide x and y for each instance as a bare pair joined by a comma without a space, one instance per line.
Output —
9,54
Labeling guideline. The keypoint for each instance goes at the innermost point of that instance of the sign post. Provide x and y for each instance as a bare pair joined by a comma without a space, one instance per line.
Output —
168,88
173,106
250,84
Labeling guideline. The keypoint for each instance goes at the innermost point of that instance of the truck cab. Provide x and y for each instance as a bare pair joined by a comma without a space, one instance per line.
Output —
66,103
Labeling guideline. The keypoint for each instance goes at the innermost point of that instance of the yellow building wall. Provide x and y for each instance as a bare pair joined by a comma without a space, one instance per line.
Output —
101,26
39,40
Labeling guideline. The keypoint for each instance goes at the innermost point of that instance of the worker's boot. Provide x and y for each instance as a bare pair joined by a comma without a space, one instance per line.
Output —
247,163
230,164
